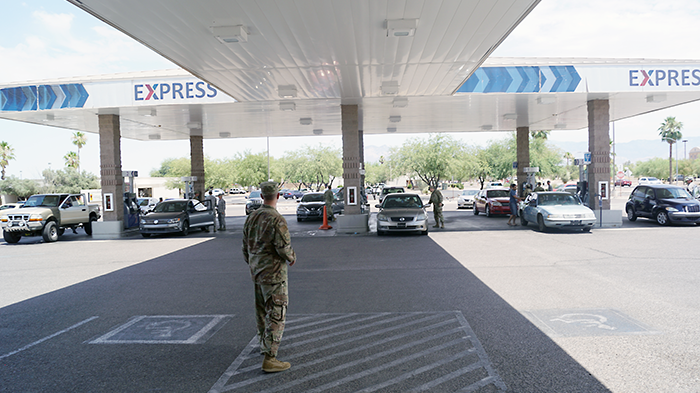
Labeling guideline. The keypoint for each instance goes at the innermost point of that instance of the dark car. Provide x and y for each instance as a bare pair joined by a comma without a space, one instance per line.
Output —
296,194
255,201
664,203
311,206
492,201
176,216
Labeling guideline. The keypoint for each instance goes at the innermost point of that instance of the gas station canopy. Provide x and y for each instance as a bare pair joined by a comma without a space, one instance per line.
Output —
284,68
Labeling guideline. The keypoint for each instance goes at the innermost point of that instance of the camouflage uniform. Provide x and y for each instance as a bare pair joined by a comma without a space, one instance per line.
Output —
436,201
267,249
328,198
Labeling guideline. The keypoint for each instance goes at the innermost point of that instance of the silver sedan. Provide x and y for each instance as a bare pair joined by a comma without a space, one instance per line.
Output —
556,209
402,213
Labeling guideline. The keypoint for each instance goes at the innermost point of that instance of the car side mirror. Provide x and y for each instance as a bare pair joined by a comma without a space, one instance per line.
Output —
378,206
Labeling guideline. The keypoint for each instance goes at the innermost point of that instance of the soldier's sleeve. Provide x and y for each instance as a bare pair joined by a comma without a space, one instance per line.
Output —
245,243
283,241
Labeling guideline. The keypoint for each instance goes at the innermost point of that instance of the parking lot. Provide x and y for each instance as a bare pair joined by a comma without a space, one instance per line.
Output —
478,306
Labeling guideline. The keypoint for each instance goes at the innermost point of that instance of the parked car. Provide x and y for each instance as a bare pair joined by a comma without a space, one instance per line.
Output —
146,204
466,200
494,184
296,194
386,190
216,192
13,205
649,180
556,209
492,201
311,206
177,216
664,203
569,187
236,190
623,183
255,201
402,212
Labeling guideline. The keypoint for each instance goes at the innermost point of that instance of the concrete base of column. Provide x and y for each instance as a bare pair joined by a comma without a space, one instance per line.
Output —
611,218
353,223
108,230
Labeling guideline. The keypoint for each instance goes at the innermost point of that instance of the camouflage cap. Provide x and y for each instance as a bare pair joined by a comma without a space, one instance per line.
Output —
269,188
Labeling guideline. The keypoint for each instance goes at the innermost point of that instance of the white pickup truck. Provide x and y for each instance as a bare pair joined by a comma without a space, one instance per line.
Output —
48,215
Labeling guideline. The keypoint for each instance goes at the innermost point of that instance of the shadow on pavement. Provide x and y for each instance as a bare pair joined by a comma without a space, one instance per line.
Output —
333,275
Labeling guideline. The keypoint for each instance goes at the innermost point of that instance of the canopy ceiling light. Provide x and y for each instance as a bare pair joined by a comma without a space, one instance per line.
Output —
656,97
287,91
194,125
318,131
487,127
391,129
146,111
394,119
401,27
390,87
546,100
154,136
287,106
230,34
560,126
400,102
225,134
510,116
305,121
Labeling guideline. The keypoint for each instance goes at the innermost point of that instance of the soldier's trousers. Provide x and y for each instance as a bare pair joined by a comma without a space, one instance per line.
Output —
437,214
329,212
270,314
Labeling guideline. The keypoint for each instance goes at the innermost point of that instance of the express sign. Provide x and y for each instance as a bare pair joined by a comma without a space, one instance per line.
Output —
173,91
660,77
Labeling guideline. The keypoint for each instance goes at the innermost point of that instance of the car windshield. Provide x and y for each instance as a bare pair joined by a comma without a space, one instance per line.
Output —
254,194
497,194
171,207
402,202
391,190
470,192
557,199
652,179
43,200
312,198
143,201
672,193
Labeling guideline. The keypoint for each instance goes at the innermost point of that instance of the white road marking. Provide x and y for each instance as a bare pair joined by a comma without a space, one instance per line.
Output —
48,338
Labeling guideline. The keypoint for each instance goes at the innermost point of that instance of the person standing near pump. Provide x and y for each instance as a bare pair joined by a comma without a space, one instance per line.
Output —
221,212
436,200
513,204
267,249
211,201
328,199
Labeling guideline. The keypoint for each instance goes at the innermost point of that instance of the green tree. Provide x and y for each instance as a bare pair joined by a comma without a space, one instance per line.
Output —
670,132
313,166
652,167
175,168
376,173
251,169
72,160
7,153
428,159
68,180
79,139
22,188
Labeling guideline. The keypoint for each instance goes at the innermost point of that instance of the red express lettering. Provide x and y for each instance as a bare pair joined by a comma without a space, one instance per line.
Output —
686,77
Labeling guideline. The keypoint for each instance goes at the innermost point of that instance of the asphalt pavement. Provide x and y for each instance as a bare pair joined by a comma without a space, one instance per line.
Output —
476,307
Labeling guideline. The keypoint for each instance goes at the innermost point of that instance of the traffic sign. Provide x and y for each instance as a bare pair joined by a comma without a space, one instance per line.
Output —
587,158
620,175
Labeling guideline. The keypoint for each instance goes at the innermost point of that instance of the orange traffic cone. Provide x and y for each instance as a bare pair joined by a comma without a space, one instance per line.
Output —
325,220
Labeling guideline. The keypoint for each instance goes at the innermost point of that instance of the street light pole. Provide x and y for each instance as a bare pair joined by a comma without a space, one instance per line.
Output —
685,141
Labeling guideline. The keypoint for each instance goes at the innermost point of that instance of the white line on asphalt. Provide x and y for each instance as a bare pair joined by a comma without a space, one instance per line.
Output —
48,338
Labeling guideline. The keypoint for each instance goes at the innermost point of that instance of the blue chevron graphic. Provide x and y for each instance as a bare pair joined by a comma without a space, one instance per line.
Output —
31,98
531,79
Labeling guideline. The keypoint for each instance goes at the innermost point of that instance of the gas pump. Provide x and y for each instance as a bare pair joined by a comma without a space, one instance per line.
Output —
582,185
131,207
531,173
189,185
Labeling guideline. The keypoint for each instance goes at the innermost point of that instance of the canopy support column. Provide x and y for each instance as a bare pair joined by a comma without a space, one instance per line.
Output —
112,180
523,155
353,219
197,163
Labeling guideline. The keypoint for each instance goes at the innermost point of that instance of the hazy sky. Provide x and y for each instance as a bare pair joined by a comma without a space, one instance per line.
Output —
47,39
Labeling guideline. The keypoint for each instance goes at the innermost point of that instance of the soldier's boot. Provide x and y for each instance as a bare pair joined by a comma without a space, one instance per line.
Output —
272,365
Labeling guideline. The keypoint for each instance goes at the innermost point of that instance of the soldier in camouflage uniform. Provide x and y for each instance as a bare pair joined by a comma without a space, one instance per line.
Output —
267,249
328,199
436,200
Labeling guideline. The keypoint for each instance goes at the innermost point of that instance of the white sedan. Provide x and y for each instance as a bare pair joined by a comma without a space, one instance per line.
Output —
466,200
556,209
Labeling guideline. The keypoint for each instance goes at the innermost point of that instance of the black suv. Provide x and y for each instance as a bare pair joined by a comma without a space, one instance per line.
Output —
664,203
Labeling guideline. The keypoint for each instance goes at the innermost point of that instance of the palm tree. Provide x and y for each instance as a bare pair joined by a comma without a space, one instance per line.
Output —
670,131
7,153
80,140
72,160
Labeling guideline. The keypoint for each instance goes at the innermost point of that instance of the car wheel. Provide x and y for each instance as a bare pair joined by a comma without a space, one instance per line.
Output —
523,221
299,219
146,234
425,232
488,211
380,233
586,229
206,228
540,224
88,225
185,228
662,218
476,211
11,237
631,215
50,232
